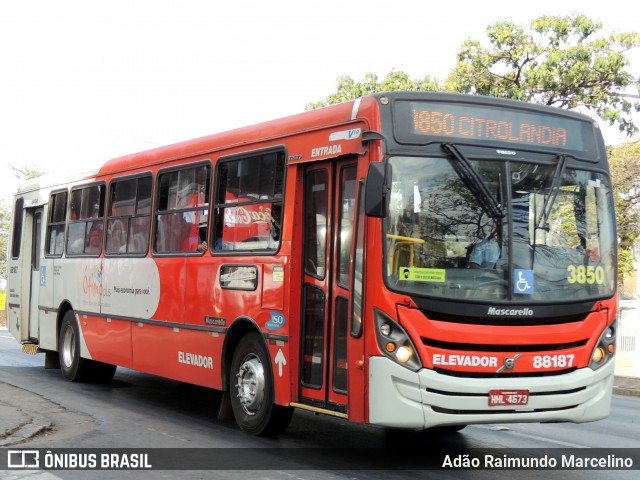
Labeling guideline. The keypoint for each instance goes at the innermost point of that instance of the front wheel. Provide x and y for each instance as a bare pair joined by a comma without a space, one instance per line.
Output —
251,390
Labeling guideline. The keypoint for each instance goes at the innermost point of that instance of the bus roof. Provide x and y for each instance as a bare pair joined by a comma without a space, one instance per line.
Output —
54,180
273,129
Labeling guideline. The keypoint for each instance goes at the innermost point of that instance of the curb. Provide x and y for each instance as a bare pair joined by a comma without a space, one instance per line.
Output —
24,432
21,419
626,386
626,392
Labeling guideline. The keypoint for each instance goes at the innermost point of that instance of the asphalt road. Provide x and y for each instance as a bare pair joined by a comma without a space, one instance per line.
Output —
142,411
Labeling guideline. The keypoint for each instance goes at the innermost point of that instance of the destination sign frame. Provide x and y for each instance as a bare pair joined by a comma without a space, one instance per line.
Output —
422,122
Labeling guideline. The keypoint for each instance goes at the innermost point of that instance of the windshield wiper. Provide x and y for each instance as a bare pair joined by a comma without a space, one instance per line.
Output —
473,181
555,188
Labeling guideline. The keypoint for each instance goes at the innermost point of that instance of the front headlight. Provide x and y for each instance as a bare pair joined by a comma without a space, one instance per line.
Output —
605,349
394,341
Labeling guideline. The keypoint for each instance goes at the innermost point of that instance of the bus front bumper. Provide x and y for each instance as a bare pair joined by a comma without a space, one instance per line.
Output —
401,398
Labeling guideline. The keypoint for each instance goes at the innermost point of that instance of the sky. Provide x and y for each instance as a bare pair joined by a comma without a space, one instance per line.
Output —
83,81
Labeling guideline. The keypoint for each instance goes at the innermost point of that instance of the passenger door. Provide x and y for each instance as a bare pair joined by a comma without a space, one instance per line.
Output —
329,212
38,274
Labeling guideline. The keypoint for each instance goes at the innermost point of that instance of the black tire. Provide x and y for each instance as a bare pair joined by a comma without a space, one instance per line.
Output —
75,368
251,390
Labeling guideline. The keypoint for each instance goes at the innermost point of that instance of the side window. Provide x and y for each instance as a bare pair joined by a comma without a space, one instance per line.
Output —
182,211
129,217
248,203
86,211
17,228
315,222
56,222
347,211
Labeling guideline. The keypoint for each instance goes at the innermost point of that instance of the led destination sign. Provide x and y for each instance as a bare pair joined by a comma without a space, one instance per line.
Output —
491,125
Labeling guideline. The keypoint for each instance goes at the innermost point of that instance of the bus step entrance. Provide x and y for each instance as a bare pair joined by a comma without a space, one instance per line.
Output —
31,348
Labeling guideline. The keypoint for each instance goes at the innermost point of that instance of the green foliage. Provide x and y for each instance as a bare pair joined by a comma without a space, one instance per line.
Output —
559,62
624,163
625,176
625,263
349,89
25,172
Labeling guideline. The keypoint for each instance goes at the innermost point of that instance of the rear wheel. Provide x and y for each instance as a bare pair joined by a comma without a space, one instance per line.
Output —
251,390
74,367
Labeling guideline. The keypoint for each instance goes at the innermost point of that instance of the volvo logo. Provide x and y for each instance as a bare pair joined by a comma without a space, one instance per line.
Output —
509,363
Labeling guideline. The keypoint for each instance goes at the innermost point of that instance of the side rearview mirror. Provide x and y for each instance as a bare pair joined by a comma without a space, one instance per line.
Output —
378,187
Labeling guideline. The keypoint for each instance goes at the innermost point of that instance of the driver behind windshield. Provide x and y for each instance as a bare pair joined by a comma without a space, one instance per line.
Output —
485,253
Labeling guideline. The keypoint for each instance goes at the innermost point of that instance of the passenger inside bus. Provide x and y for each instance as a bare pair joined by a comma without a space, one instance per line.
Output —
194,232
203,246
94,244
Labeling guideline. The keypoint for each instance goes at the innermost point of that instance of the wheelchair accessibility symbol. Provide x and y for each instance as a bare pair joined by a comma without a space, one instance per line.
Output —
523,282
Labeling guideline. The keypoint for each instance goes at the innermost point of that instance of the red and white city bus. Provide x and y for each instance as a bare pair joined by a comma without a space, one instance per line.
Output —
406,259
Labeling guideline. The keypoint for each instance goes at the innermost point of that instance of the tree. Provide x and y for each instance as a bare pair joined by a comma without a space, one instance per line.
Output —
349,89
559,62
25,172
625,177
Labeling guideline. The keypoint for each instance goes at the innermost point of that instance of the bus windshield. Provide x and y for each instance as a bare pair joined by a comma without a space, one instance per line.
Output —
509,231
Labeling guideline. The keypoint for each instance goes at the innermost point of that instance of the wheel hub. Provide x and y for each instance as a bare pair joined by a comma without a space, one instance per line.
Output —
68,347
251,384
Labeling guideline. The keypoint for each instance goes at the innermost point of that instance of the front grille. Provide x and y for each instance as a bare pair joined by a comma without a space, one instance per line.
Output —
454,373
502,321
478,347
498,412
533,394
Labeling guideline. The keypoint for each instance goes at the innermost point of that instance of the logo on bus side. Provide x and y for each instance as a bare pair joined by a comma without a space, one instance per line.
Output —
195,359
276,322
215,321
345,135
247,216
92,282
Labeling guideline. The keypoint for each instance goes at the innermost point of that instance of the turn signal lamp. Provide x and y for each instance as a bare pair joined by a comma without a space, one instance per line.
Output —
390,347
